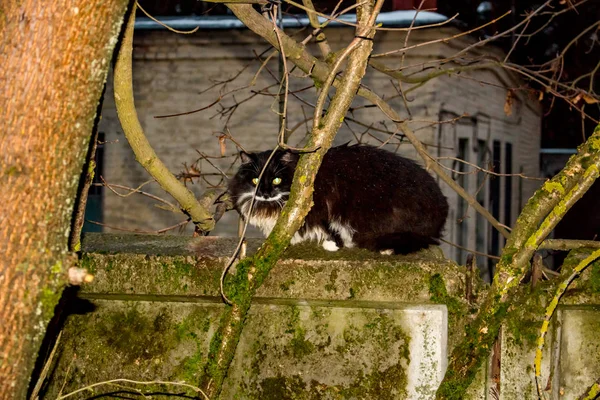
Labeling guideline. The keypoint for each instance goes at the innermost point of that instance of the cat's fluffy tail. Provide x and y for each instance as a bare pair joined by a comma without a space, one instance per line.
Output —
404,242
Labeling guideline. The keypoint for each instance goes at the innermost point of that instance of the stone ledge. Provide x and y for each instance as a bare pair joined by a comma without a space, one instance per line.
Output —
343,325
182,266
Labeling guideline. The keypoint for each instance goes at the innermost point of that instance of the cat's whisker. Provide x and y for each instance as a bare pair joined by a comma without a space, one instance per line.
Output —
281,203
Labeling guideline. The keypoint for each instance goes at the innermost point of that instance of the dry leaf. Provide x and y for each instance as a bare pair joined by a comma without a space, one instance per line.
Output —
508,103
589,99
222,144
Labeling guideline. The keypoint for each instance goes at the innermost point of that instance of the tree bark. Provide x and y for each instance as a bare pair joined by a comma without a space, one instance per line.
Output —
54,57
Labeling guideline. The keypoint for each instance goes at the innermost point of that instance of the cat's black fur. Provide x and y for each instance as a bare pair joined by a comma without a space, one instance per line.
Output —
364,197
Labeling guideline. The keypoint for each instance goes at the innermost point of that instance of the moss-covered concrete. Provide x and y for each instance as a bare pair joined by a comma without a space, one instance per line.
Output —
324,325
183,266
344,325
303,352
136,340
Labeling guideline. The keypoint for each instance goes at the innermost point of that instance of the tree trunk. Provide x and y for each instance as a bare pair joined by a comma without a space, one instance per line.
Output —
54,57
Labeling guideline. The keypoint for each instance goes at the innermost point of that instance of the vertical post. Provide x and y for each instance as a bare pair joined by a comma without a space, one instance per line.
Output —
536,270
471,267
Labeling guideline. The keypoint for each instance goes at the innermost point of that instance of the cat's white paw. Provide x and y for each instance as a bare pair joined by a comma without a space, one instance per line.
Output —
330,245
387,252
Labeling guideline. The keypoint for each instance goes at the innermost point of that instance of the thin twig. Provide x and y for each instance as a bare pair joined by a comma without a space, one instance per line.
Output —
470,251
163,230
243,232
165,25
480,169
122,380
38,386
445,40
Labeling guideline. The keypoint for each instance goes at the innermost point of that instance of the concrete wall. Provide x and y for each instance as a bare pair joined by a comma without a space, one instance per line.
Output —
346,325
172,72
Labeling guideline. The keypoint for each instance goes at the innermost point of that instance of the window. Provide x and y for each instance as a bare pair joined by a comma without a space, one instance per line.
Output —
481,228
494,205
508,184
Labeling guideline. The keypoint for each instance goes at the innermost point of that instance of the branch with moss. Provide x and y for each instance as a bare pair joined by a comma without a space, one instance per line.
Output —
85,184
541,214
320,38
144,154
568,244
251,272
562,288
593,392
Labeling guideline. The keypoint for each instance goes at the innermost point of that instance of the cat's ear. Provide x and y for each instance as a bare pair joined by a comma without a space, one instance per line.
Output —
289,158
245,157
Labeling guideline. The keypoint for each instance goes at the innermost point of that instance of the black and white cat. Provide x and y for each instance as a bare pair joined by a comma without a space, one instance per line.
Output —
364,197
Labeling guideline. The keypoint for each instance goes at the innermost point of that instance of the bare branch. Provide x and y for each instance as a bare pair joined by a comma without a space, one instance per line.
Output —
144,153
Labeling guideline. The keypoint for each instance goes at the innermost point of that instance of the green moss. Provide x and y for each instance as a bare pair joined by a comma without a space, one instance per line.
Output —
190,368
382,385
352,293
507,255
135,336
211,368
551,186
525,315
285,286
438,294
49,298
51,293
330,287
299,345
387,384
181,266
330,58
594,277
281,388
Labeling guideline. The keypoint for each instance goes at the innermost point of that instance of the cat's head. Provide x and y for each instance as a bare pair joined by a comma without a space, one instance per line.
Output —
274,187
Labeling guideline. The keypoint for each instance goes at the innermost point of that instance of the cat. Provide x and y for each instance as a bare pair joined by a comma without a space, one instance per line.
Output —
364,197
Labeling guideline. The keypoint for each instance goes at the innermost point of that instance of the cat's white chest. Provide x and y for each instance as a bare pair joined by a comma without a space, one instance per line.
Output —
265,224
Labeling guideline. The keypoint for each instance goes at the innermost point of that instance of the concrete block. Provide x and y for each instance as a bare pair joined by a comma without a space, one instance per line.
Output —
346,325
579,351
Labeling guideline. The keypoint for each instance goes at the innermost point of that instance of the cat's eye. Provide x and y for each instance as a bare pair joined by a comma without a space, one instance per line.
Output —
255,181
276,181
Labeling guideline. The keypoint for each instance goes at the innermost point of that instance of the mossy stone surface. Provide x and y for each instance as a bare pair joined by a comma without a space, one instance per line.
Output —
306,352
344,325
350,324
138,340
580,349
183,266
